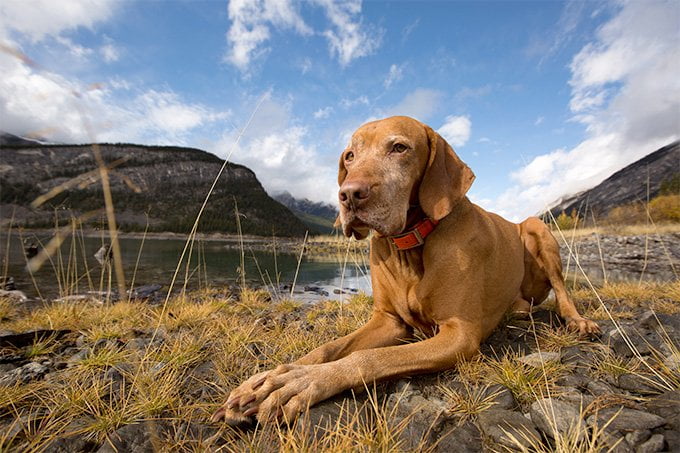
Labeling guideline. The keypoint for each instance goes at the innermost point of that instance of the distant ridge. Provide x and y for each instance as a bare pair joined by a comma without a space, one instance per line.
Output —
15,140
317,216
164,184
627,185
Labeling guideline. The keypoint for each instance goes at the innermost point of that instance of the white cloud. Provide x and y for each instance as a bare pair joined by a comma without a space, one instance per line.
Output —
539,121
456,130
110,52
282,159
348,39
37,19
252,22
626,92
323,113
394,75
250,28
349,103
419,104
58,108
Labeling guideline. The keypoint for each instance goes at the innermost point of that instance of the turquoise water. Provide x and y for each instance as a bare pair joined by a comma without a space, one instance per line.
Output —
212,263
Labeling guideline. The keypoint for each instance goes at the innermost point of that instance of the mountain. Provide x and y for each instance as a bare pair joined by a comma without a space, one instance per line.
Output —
14,140
167,183
627,185
316,215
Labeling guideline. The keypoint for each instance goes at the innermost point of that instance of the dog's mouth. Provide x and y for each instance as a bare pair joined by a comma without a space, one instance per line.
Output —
358,223
354,225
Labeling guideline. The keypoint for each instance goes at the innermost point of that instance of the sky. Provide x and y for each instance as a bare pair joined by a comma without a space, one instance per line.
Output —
542,99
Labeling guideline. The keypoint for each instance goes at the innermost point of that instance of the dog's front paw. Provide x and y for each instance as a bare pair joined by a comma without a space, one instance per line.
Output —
585,327
232,417
240,400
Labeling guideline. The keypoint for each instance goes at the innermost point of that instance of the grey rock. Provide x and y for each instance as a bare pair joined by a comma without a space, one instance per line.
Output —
666,405
20,340
625,420
654,444
672,439
134,438
575,380
575,397
72,443
537,359
642,385
502,397
78,357
423,418
14,295
459,438
553,416
638,436
576,355
29,372
502,425
598,388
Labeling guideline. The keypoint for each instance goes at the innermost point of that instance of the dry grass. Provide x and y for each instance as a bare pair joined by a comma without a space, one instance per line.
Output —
625,299
624,230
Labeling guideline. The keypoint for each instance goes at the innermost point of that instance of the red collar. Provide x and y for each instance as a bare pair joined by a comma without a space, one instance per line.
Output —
414,237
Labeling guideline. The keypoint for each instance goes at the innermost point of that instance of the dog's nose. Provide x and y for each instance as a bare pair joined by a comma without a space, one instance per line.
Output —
353,193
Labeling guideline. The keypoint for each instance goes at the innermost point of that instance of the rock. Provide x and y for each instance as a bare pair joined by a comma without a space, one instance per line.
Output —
575,380
7,284
14,295
638,436
654,444
423,418
638,384
672,438
145,292
22,375
537,359
575,397
578,356
553,416
84,298
459,438
502,397
642,339
20,340
104,254
666,405
72,443
502,426
78,357
134,438
598,388
625,420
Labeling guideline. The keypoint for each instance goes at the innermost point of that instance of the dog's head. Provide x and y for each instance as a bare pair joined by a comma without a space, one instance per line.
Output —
391,165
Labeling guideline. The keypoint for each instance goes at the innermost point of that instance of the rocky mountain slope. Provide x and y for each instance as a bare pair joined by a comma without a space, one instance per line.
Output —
627,185
318,216
166,183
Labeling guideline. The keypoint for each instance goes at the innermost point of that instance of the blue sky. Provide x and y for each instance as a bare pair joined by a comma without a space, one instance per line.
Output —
542,99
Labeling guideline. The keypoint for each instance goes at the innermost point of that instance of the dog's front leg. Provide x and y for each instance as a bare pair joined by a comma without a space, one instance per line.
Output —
381,330
290,389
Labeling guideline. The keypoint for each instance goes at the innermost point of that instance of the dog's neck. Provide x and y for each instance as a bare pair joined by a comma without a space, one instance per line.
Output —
418,227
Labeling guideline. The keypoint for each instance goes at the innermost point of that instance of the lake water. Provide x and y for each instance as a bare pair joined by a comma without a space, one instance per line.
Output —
212,263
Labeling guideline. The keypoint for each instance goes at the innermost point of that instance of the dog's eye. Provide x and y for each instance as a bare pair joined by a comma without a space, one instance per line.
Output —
399,148
349,157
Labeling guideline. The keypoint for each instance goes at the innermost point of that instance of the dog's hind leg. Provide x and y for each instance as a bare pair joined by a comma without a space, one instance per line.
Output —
551,263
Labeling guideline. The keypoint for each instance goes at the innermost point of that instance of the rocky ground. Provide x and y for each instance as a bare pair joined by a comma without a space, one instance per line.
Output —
623,257
131,376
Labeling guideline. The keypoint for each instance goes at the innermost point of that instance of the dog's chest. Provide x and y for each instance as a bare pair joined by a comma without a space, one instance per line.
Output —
396,277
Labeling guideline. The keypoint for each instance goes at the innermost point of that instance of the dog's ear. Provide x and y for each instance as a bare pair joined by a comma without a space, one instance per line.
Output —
446,179
342,171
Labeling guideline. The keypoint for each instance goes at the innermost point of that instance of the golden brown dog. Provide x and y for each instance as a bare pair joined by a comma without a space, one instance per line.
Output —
455,285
